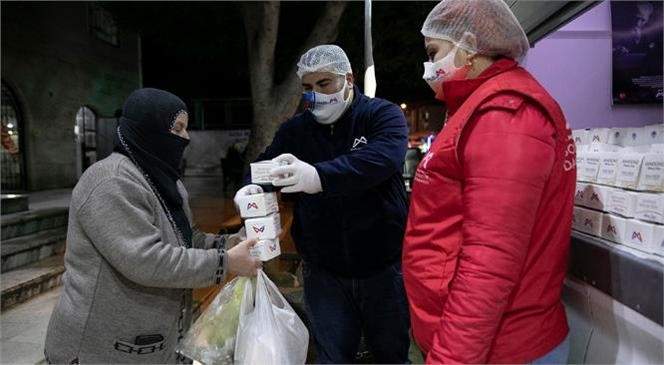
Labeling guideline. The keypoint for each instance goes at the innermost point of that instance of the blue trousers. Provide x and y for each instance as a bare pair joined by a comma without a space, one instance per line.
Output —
340,309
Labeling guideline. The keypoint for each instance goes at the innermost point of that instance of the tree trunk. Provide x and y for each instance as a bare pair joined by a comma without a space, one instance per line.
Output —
273,104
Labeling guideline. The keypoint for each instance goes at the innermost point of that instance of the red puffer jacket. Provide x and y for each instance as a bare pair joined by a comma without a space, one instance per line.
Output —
487,240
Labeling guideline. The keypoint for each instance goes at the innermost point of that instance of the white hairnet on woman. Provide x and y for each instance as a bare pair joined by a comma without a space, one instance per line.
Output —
324,58
489,224
486,27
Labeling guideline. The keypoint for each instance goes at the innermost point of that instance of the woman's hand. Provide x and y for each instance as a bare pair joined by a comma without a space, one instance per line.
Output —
240,261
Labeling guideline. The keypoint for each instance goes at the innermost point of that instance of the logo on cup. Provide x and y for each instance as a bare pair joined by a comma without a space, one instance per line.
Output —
637,235
260,229
252,205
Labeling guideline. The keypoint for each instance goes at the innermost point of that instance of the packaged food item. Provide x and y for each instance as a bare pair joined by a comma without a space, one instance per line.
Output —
257,205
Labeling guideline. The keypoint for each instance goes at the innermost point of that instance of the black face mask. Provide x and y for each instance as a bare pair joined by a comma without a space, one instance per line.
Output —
144,136
173,149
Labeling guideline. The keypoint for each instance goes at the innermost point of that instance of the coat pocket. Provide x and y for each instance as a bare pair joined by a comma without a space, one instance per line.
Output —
143,345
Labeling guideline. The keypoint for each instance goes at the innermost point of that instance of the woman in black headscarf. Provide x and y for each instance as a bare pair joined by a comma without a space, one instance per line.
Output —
132,256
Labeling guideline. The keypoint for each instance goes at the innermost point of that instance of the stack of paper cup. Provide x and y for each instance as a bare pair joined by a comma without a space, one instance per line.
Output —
261,214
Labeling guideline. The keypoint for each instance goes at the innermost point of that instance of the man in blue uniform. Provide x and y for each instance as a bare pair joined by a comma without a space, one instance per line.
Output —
342,159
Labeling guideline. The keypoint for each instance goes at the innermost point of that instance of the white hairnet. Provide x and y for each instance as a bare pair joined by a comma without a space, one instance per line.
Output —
324,58
491,23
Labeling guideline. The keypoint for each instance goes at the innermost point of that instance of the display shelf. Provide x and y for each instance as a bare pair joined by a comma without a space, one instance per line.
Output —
629,276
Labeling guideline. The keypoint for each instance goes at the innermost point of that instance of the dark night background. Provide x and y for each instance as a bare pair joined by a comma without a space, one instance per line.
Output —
198,49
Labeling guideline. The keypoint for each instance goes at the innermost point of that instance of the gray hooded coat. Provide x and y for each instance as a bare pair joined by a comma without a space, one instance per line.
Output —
127,283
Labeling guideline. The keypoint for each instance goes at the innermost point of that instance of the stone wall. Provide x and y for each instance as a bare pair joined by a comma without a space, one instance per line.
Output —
54,65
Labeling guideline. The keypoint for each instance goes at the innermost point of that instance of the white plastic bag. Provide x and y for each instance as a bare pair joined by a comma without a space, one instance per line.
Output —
211,339
269,332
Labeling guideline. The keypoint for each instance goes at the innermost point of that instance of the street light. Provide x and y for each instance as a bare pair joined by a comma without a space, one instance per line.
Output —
403,106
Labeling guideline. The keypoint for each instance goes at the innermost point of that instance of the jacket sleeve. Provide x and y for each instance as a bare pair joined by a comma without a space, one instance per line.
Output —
507,157
119,220
369,166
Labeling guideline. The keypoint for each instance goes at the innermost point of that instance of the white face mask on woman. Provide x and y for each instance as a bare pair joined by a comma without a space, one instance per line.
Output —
326,108
435,73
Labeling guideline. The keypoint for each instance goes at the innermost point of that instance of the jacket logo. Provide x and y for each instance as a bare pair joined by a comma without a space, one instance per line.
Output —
588,222
637,235
252,205
611,229
260,229
358,141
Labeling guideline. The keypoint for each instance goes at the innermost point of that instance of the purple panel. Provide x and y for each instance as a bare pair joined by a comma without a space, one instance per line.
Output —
574,65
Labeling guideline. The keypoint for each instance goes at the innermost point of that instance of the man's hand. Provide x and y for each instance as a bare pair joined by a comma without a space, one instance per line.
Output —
240,261
301,177
250,189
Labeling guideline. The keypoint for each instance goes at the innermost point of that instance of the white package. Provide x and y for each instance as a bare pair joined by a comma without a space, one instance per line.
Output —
590,166
613,228
580,163
580,136
597,197
629,169
608,168
590,222
266,249
651,177
599,135
258,205
579,194
650,207
654,134
639,235
617,136
658,241
267,227
622,202
636,137
603,147
260,172
577,215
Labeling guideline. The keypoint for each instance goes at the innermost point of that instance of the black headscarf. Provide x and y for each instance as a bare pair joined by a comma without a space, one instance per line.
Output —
144,135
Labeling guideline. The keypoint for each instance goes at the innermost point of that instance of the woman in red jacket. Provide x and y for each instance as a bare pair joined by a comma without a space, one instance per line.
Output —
486,246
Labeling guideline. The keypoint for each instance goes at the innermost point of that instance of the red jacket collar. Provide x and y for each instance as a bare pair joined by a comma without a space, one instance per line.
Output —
457,91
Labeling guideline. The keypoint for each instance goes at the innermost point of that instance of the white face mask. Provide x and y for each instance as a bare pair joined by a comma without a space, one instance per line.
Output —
326,108
435,73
